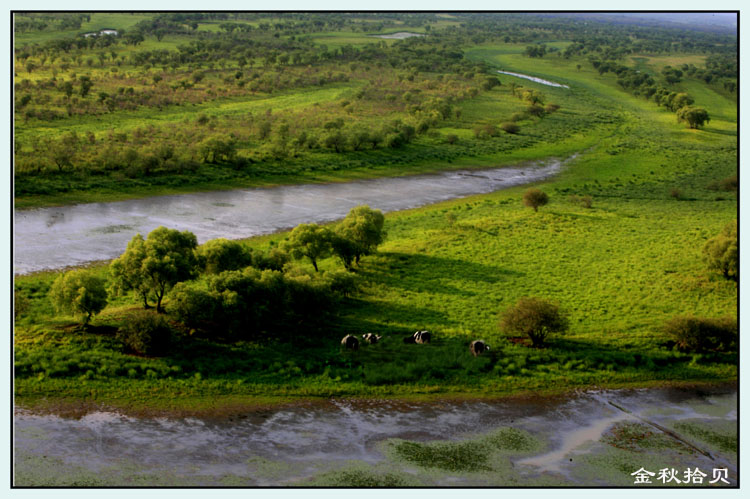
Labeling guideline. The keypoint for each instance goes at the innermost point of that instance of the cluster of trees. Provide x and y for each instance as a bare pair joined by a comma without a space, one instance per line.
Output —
645,85
535,50
223,284
417,103
26,22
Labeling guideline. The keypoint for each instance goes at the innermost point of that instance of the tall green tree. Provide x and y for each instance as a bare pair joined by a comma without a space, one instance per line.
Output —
363,228
80,293
310,241
219,255
151,267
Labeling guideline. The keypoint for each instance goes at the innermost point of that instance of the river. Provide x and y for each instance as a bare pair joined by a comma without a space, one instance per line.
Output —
53,238
534,79
596,438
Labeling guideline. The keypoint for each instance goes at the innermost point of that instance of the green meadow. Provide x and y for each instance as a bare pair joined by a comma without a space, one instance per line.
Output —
619,269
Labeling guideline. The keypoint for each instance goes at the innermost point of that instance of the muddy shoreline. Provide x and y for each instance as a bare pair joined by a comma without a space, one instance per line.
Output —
231,407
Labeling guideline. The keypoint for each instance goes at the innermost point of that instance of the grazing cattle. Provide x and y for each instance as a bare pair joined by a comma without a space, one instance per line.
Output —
478,347
409,339
350,342
422,337
371,338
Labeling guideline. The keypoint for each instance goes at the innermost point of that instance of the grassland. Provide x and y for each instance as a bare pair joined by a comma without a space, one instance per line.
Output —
620,269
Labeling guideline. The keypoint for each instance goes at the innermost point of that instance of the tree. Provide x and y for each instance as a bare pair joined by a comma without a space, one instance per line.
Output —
153,266
534,198
363,227
535,318
219,255
695,117
721,252
80,293
311,241
86,85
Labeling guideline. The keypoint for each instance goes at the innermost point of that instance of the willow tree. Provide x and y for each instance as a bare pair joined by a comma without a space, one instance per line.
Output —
151,267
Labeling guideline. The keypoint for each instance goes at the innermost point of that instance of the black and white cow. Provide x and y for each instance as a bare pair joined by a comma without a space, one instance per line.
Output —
350,342
371,338
478,347
422,337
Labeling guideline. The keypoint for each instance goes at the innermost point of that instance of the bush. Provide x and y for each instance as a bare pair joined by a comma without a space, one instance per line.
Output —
535,110
146,332
534,198
727,184
584,201
510,128
535,318
697,334
721,253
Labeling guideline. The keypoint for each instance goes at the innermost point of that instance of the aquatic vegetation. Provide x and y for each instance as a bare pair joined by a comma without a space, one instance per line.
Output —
720,435
450,456
639,437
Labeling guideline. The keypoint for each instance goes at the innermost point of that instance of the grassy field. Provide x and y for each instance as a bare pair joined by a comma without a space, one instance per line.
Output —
619,269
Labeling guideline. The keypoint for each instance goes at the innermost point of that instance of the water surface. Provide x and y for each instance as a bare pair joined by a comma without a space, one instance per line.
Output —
535,79
51,238
294,445
401,35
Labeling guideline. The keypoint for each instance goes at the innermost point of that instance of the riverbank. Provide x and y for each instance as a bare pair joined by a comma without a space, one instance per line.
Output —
229,407
380,167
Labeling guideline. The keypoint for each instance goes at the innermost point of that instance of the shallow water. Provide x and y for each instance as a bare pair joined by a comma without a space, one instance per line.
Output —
401,35
51,238
297,444
535,79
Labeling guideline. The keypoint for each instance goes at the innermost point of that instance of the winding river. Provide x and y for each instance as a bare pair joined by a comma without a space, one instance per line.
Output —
52,238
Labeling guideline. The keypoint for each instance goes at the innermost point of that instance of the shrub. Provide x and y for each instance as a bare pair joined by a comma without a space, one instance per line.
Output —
146,332
509,127
451,138
534,198
518,116
535,110
721,253
551,108
727,184
697,334
535,318
342,283
585,201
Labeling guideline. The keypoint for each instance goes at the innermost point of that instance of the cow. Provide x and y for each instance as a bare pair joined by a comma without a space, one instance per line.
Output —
350,342
422,337
478,347
371,338
409,339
